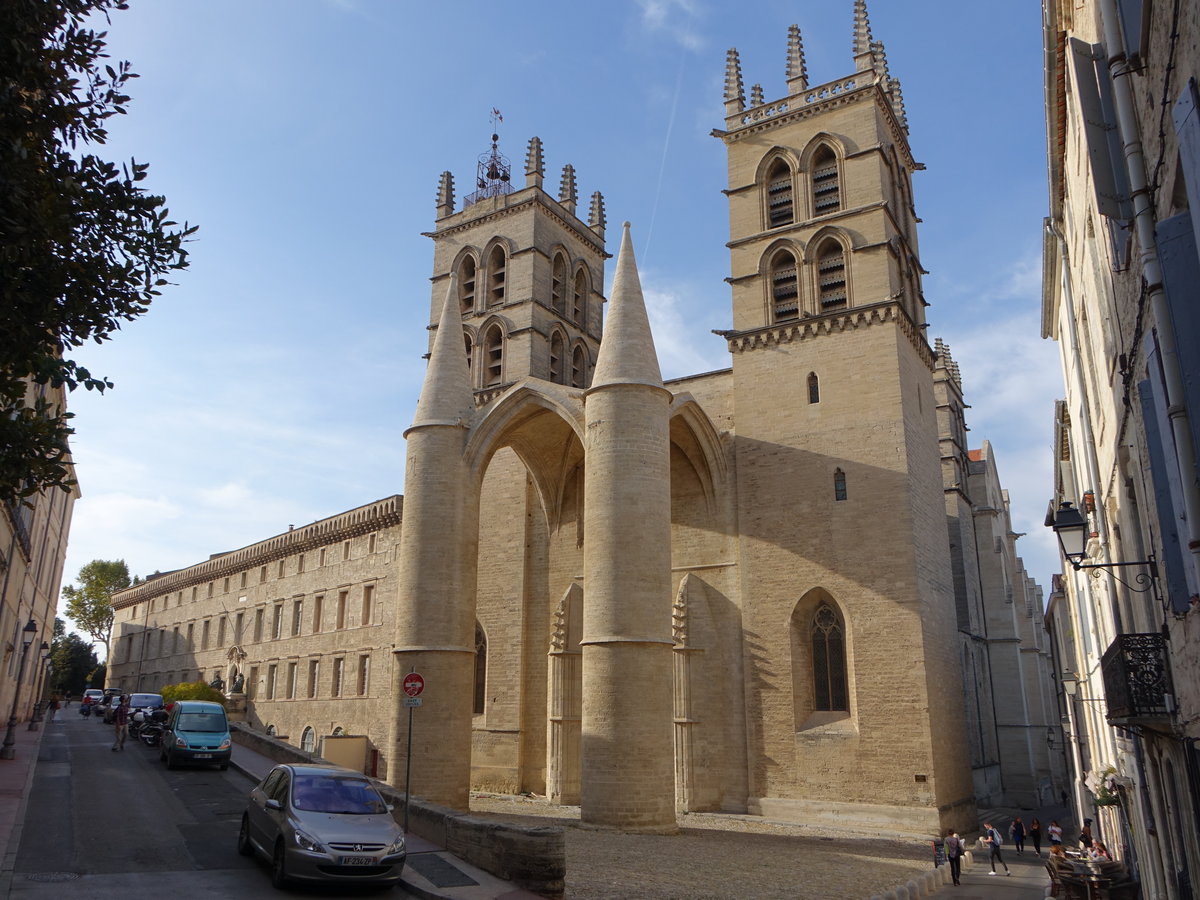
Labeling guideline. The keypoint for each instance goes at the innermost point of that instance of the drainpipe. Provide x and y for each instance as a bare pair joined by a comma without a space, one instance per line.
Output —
1144,223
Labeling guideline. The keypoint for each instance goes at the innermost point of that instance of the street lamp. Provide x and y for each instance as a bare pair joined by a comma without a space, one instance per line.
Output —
8,751
1071,527
38,706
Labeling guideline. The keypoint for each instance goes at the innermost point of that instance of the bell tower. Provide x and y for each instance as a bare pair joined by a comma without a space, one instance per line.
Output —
530,273
842,527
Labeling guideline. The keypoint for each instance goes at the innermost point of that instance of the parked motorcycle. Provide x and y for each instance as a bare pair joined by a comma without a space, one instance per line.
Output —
85,710
151,729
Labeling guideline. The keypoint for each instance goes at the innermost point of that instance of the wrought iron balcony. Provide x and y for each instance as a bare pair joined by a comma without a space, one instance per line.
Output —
1137,680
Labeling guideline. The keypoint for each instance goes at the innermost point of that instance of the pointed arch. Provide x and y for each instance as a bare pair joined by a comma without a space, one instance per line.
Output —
579,365
467,269
558,356
496,257
822,682
783,284
558,283
493,355
579,296
828,259
814,388
776,179
822,161
694,434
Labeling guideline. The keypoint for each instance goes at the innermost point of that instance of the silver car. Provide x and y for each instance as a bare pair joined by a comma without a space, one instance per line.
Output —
322,823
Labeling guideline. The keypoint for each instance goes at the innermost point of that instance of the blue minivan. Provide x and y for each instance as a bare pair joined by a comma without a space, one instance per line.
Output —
197,731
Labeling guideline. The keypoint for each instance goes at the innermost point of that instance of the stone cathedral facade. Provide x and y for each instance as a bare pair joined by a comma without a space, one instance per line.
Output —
732,591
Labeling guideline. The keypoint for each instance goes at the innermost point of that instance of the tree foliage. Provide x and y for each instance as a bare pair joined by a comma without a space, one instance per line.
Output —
192,690
83,245
72,660
96,677
90,603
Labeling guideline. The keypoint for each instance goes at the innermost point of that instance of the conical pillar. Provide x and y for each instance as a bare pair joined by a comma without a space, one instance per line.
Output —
627,740
435,592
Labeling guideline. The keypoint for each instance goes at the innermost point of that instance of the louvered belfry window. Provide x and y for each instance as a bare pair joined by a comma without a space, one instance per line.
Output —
466,285
785,288
831,275
780,203
827,189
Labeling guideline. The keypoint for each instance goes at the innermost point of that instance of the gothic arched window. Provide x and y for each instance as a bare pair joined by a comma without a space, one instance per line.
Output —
558,285
785,289
493,356
578,368
497,264
826,185
556,357
780,203
839,485
814,388
466,285
579,299
831,275
829,661
480,670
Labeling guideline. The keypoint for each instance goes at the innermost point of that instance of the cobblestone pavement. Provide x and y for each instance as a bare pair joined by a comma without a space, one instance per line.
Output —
716,857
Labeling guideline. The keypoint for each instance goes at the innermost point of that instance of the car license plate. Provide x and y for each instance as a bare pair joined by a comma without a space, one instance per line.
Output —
357,861
201,756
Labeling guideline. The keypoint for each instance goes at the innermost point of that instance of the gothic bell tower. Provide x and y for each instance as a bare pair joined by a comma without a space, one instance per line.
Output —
530,274
842,526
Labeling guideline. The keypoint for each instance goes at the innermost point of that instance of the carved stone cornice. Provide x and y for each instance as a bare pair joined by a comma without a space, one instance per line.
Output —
352,523
529,197
820,326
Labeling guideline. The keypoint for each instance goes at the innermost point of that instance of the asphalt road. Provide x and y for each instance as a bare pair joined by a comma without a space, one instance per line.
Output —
105,825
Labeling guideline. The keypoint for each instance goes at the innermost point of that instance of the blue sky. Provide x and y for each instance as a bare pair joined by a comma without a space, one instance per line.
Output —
272,384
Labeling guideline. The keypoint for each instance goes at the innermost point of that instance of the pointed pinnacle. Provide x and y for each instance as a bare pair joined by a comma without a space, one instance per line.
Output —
797,69
535,168
446,395
735,92
568,195
756,95
596,217
445,195
627,354
862,28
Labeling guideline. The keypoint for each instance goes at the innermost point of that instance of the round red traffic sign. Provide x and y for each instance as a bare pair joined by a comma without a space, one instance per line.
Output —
413,684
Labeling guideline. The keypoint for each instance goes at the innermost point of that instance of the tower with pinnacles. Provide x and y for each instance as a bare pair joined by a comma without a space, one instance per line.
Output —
731,591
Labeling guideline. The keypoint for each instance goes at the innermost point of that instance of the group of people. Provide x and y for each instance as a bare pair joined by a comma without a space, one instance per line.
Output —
1018,832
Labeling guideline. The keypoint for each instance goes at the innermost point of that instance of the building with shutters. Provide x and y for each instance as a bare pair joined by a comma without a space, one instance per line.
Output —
1121,298
759,589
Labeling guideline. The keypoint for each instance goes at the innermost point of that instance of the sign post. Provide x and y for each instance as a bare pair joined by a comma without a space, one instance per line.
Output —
412,685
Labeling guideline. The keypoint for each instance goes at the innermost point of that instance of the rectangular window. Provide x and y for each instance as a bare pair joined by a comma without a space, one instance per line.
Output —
281,568
322,558
221,632
318,603
243,581
367,604
189,636
341,609
262,575
291,681
277,622
179,599
225,588
364,675
239,624
271,672
339,665
204,634
252,683
371,544
346,550
161,636
175,640
258,624
297,612
300,563
193,595
210,587
314,673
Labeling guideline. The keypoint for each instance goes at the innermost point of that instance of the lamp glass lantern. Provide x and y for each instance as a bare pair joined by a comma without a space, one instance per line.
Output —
1071,528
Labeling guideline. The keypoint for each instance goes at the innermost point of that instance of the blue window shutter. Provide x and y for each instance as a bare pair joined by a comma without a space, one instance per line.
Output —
1181,282
1093,89
1164,480
1187,130
1133,24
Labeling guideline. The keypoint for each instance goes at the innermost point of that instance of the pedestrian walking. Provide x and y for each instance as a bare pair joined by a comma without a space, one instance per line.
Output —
1035,835
1017,832
51,707
1055,832
954,852
992,838
121,723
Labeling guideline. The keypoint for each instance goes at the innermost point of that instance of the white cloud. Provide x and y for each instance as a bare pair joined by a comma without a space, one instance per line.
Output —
675,17
683,334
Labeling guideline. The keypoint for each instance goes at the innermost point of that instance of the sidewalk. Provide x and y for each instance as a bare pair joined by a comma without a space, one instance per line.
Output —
431,872
16,779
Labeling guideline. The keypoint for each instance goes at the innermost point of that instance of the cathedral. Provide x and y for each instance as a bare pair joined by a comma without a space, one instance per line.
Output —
733,591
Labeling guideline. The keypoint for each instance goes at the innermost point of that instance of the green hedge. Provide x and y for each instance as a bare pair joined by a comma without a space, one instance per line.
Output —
193,690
